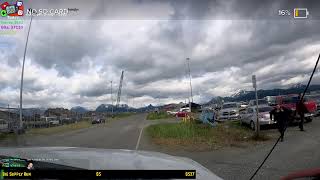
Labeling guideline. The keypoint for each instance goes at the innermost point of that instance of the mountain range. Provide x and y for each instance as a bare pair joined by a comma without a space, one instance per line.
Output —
243,95
79,109
109,108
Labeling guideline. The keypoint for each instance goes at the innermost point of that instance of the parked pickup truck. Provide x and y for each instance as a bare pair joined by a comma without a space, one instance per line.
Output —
316,98
290,101
183,112
229,111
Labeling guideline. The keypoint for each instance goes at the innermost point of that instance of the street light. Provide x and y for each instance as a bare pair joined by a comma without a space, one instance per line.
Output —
191,98
111,101
22,72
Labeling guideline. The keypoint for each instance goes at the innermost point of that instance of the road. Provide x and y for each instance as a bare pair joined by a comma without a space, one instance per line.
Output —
298,151
117,134
122,133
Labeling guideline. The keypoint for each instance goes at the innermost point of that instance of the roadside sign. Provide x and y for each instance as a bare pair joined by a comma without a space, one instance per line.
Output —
254,81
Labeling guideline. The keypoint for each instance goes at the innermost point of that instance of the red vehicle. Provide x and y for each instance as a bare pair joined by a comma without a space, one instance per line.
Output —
183,113
290,101
303,174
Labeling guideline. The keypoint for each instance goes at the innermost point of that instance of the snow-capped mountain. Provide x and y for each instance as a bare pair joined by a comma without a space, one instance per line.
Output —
239,92
298,85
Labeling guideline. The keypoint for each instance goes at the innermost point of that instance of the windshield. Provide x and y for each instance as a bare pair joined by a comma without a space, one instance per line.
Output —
225,106
83,80
260,101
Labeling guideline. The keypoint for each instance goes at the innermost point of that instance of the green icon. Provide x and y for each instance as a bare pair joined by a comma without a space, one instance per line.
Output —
3,13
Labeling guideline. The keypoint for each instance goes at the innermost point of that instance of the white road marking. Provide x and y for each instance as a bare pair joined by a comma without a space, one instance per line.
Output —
138,142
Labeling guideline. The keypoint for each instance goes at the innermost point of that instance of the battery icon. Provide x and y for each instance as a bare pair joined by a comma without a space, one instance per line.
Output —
301,13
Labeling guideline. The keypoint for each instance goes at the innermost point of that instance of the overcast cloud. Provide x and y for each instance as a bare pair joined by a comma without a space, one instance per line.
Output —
71,62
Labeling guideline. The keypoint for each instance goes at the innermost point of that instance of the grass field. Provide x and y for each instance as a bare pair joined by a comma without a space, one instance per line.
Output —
197,136
7,135
60,129
158,115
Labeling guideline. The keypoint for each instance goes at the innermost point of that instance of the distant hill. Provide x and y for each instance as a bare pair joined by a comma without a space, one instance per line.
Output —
28,111
147,108
79,109
243,95
108,108
31,111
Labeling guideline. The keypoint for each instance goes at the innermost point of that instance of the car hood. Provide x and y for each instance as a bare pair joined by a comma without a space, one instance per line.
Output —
110,159
229,109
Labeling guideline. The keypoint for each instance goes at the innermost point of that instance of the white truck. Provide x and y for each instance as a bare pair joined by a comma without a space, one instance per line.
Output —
229,111
51,120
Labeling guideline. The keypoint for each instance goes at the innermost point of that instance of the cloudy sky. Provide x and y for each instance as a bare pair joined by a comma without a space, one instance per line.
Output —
71,61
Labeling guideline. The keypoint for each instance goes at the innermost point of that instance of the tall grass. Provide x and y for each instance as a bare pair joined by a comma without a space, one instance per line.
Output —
179,130
158,115
60,129
199,136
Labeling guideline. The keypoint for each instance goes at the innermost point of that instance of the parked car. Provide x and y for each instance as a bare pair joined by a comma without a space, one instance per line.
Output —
250,116
186,109
50,120
229,111
98,120
244,105
172,112
208,116
290,101
261,102
183,112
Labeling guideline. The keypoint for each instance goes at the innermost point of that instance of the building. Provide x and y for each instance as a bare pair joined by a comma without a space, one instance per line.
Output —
58,112
194,106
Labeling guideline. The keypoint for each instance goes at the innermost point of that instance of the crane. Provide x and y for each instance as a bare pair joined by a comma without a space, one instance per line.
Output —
119,90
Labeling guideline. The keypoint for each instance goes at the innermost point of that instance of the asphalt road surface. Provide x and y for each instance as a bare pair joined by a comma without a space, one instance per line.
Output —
117,134
300,150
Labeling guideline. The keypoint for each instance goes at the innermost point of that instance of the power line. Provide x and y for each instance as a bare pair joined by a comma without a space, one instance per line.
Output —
275,144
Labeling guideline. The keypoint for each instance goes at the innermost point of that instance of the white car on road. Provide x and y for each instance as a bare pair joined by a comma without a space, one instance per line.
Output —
250,116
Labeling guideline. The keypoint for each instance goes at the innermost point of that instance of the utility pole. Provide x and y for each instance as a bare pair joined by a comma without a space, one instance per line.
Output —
119,90
22,72
191,98
8,113
111,101
254,82
159,99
